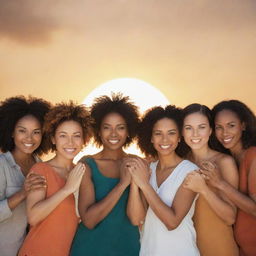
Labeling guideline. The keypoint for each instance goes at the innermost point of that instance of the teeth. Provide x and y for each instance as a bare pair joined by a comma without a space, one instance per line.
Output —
28,144
70,150
113,141
196,140
164,146
227,140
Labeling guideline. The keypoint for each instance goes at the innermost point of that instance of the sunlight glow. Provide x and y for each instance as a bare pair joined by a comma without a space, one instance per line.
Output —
140,92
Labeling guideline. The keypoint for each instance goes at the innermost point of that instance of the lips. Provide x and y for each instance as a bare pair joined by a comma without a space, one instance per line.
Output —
227,140
70,150
195,141
165,146
113,141
28,145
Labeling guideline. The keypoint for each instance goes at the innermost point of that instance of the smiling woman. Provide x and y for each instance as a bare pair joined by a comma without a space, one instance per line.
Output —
140,92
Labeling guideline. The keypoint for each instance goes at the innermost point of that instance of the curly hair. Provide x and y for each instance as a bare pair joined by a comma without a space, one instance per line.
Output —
119,104
244,114
66,112
149,119
205,111
12,110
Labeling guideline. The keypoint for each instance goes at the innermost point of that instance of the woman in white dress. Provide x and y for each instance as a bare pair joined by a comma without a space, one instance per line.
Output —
168,228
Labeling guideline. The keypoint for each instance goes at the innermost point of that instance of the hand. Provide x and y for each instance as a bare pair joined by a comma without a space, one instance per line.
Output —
139,169
74,178
32,182
195,182
211,173
125,176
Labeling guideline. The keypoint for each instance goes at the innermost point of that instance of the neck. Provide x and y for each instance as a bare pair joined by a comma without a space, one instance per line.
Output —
169,161
237,153
201,154
63,163
112,154
21,156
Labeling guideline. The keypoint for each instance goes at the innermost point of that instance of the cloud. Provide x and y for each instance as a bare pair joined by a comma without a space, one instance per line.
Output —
34,22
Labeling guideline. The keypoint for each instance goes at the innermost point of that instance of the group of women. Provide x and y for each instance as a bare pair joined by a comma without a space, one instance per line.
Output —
194,193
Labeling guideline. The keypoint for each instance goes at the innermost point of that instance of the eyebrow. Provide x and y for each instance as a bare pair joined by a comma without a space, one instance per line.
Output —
20,126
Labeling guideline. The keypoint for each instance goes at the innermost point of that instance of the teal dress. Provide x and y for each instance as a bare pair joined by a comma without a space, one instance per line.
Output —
114,235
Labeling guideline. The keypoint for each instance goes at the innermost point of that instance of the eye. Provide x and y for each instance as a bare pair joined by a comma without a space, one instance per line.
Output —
38,132
62,135
202,127
21,130
187,128
157,133
77,136
105,127
172,132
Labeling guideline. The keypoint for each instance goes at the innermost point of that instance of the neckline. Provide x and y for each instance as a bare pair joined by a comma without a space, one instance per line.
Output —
168,177
98,170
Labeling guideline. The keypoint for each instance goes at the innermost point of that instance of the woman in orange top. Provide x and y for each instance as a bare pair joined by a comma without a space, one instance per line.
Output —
51,211
235,128
214,213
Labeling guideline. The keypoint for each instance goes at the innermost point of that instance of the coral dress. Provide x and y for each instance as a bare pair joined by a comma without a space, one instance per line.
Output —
52,236
245,226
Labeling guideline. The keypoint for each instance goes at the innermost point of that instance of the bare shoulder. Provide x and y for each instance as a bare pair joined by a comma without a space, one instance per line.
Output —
223,160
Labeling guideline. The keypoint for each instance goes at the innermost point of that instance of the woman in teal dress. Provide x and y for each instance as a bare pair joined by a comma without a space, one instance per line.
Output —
104,206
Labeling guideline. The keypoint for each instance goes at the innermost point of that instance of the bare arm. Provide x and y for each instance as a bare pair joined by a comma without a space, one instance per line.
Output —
246,203
39,207
218,201
170,216
92,212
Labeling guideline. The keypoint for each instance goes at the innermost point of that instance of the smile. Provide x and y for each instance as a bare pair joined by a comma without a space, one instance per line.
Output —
165,146
113,141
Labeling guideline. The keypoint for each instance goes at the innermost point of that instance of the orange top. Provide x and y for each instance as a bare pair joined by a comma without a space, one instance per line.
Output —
245,226
214,236
53,236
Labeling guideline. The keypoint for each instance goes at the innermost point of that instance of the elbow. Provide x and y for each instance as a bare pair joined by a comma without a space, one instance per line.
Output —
89,224
172,225
230,221
32,220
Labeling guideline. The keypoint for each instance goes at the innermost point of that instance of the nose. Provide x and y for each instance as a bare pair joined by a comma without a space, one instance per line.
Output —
29,136
195,132
113,133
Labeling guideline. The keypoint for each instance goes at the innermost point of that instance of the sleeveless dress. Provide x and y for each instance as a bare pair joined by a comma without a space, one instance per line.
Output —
53,235
114,235
245,226
157,240
214,236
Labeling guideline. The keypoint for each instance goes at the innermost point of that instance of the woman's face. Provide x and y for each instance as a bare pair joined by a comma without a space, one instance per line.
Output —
165,136
228,129
113,131
196,130
27,134
68,139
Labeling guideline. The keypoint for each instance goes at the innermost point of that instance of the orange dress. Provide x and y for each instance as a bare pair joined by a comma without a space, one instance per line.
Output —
214,236
53,236
245,226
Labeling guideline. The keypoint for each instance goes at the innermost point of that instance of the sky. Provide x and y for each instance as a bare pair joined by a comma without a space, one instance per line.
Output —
191,50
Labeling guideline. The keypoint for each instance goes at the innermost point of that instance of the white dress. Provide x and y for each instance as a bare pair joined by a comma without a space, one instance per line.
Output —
156,239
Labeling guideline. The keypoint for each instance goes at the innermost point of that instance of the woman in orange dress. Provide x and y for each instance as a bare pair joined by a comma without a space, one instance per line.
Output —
51,211
214,213
235,128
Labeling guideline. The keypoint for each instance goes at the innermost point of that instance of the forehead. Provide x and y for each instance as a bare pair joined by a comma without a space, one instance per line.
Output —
113,118
28,121
196,117
69,125
165,124
226,116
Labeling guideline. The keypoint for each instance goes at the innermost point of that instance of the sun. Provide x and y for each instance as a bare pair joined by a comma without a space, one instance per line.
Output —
143,94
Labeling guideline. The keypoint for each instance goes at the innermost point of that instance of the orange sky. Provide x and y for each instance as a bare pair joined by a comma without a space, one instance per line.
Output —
192,51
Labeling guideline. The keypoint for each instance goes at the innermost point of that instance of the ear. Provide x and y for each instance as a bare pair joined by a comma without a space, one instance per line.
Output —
53,140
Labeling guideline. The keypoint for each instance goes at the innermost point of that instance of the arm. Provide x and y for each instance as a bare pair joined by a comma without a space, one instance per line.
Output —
92,212
32,182
39,207
219,203
246,203
170,216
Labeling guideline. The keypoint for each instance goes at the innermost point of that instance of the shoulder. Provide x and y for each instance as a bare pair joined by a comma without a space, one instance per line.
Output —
41,168
188,165
250,153
223,159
